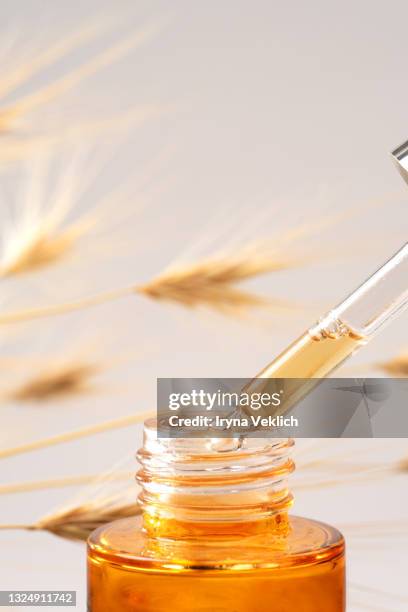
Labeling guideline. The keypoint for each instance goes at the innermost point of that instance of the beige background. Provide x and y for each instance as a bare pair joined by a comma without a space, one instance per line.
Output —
273,114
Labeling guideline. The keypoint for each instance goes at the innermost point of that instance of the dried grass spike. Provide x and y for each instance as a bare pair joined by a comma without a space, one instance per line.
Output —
211,281
40,250
77,523
57,383
402,465
397,366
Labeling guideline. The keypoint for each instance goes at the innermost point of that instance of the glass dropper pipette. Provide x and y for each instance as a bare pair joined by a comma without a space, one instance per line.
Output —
335,337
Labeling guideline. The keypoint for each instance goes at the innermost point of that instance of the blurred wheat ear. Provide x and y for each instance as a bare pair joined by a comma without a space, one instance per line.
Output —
61,382
77,523
397,366
39,248
402,465
212,282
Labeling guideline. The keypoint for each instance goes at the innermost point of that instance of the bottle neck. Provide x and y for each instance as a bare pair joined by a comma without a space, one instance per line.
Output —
211,487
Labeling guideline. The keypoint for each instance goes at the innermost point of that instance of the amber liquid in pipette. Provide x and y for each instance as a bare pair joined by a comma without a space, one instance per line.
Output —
314,355
310,358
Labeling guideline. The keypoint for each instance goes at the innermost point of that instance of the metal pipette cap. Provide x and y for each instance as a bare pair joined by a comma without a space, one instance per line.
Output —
400,157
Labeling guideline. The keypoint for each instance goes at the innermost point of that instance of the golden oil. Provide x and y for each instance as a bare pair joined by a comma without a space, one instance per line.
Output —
215,536
316,353
297,370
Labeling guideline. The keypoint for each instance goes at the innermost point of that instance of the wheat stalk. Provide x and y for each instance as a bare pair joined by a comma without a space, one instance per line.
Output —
77,434
60,309
58,483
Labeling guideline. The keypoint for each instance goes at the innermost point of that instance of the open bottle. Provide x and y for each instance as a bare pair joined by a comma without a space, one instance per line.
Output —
214,534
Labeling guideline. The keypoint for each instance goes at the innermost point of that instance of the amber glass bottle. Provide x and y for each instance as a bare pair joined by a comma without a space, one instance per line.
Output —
214,535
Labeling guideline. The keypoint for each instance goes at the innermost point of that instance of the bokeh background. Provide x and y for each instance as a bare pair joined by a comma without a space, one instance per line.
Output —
202,127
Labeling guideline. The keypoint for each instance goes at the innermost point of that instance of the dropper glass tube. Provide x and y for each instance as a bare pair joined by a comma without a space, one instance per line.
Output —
339,334
324,346
335,337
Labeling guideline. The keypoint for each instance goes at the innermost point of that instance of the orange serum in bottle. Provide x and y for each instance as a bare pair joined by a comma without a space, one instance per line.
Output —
214,535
